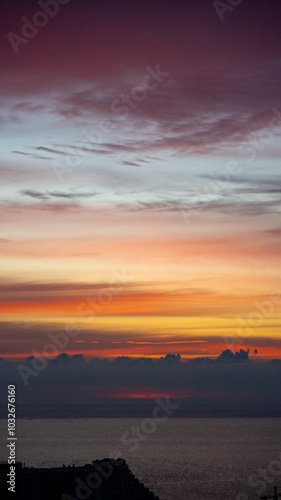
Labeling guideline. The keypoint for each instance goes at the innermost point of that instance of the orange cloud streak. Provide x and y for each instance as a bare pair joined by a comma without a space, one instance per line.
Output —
139,303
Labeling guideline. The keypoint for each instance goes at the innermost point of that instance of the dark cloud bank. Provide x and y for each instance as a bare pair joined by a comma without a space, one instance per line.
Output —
68,386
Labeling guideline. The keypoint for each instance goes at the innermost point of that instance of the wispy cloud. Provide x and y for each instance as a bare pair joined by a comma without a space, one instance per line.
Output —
56,194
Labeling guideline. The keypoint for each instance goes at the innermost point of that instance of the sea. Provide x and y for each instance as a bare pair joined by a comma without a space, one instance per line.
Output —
178,458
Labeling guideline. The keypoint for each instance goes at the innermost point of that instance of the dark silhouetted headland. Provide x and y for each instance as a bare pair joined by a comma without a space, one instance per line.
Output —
107,479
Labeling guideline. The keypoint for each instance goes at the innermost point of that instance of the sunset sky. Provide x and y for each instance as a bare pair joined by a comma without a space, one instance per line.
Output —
140,178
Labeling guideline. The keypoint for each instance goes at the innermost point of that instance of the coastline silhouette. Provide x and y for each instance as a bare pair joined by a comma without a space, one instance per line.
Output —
107,479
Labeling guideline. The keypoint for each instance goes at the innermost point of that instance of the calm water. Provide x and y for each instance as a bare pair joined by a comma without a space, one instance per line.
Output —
181,459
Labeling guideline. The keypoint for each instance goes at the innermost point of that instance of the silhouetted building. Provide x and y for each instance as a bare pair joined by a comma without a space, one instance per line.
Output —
106,479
